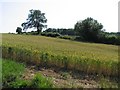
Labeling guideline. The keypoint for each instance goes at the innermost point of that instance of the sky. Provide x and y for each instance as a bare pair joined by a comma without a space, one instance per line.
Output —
59,13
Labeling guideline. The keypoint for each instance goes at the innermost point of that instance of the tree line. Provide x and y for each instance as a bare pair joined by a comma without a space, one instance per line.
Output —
87,30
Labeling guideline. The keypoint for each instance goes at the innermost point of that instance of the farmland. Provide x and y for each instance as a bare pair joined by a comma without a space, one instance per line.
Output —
90,58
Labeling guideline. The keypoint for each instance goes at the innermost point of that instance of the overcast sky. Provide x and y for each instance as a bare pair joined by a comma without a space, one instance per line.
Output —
59,13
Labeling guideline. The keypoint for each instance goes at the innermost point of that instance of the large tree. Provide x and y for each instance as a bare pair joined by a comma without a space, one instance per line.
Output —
89,29
35,19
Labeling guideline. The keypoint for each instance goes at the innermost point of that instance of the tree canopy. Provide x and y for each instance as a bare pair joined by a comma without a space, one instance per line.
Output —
19,30
35,19
89,29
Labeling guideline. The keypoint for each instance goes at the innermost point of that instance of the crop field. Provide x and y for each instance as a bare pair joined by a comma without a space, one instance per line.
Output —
90,58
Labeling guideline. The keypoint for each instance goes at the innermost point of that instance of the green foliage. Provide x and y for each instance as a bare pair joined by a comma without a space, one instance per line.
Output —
62,31
38,81
112,39
35,19
11,71
65,75
11,77
55,34
19,83
66,37
41,82
89,29
50,34
105,83
31,33
19,30
79,38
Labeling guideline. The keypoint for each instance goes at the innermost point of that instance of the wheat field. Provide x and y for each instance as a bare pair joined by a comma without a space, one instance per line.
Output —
90,58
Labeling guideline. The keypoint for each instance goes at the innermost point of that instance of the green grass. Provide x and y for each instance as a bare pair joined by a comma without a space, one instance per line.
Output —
87,57
11,76
105,83
41,82
11,71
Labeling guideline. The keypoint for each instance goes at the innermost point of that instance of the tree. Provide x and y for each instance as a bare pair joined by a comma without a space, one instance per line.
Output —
89,29
19,30
35,19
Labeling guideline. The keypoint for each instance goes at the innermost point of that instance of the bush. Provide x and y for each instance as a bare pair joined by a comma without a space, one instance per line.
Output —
66,37
19,30
30,33
79,38
37,82
111,40
20,84
50,34
41,82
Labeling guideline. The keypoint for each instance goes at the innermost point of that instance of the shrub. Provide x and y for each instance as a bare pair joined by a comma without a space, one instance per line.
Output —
41,82
20,84
110,39
79,38
50,34
19,30
66,37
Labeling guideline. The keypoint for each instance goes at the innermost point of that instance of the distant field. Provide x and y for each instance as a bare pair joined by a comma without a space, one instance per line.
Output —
87,57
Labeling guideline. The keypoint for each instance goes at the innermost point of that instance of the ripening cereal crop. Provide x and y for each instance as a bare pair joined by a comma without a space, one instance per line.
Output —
90,58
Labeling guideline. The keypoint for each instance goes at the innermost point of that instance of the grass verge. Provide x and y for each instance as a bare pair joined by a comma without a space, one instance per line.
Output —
12,73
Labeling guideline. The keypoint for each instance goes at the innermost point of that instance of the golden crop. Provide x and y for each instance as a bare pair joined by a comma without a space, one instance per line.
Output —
39,50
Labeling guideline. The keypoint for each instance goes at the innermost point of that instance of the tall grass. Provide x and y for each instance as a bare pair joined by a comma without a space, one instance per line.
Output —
51,52
41,82
11,71
11,77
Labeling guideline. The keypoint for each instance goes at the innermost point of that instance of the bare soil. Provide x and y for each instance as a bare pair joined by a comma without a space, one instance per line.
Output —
62,79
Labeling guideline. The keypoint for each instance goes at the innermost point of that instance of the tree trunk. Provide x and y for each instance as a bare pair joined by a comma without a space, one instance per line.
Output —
38,30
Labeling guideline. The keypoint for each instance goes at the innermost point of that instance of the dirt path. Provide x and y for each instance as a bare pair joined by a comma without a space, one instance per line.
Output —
61,79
